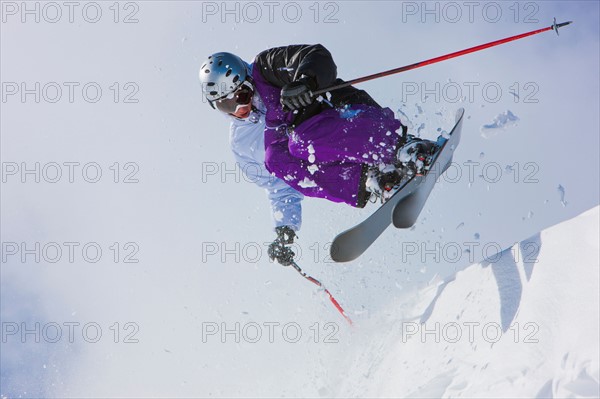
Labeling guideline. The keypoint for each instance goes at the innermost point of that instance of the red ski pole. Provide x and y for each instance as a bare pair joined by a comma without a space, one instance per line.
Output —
553,27
331,298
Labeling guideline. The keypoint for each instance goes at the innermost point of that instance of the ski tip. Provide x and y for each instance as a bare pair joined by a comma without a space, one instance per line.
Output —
339,256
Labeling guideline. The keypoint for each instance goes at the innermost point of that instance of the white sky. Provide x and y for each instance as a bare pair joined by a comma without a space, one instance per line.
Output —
172,213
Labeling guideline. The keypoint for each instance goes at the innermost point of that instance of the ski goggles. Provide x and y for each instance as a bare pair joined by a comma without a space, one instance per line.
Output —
231,103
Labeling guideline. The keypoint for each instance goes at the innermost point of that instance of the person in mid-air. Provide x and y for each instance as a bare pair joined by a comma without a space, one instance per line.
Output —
343,146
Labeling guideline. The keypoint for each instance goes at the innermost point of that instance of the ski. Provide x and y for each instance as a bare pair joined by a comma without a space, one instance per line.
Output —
353,242
407,209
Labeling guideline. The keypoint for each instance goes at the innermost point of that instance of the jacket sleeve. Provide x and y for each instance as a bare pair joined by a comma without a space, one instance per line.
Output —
286,208
282,65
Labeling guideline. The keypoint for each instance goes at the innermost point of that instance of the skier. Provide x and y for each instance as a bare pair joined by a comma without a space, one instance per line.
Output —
344,148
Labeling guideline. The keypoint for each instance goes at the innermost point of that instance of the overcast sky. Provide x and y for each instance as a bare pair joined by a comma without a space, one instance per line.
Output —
132,162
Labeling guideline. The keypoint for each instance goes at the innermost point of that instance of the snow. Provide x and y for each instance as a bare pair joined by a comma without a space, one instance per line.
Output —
503,328
404,156
500,122
278,216
562,192
405,119
312,169
311,150
306,183
201,229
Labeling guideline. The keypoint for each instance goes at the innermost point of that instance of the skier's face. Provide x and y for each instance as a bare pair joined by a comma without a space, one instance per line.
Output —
243,111
238,104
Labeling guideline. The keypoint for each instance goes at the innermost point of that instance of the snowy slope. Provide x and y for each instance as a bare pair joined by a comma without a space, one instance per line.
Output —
523,326
198,228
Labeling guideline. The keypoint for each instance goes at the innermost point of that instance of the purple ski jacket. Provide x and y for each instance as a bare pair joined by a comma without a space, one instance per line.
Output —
325,149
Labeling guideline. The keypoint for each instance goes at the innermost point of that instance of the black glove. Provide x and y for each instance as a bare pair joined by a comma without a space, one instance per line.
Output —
278,250
298,94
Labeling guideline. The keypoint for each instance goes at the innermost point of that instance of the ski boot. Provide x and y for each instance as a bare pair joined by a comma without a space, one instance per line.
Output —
383,181
416,155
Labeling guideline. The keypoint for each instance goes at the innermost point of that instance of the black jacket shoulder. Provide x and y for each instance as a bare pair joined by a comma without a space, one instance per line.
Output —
282,65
